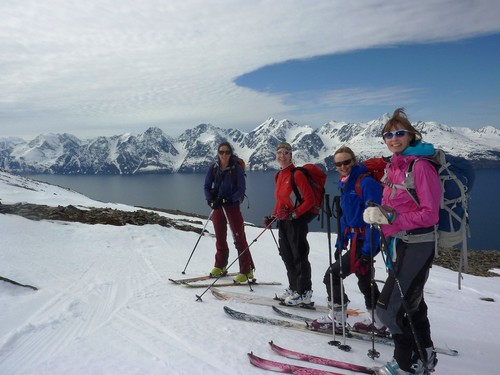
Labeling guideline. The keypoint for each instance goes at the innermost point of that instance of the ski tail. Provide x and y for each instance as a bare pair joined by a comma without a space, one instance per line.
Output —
285,368
319,360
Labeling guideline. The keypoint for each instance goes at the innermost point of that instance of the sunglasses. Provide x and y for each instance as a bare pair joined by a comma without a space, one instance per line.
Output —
344,163
284,152
397,133
222,152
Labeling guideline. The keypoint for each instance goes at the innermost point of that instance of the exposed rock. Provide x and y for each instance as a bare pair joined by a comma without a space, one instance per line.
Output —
480,262
105,216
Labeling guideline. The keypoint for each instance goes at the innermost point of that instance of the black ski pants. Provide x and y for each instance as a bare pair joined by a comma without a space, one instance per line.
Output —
411,270
294,251
364,281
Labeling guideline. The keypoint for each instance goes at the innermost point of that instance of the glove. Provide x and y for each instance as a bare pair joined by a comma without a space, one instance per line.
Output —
215,203
268,220
339,247
378,215
226,201
362,265
283,214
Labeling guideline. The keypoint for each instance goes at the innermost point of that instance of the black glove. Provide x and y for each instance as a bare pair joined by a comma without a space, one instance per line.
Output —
339,247
226,201
215,203
366,259
338,254
268,220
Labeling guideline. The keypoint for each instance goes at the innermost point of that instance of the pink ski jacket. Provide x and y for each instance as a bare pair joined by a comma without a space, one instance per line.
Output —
409,214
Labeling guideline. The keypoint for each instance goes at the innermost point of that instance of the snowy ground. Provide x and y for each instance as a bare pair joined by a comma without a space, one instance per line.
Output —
105,305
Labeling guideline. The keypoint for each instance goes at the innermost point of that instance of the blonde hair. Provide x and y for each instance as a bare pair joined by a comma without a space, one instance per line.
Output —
347,150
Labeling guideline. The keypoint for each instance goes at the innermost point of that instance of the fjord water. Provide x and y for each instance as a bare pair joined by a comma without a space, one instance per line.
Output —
185,192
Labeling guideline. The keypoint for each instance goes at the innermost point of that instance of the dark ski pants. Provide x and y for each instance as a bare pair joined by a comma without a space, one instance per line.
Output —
412,270
237,227
364,281
294,251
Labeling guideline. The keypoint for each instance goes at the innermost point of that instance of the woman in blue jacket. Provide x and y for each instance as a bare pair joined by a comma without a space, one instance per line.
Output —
224,191
354,235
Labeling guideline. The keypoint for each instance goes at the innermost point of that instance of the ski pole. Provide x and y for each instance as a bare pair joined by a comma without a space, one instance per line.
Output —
274,238
198,297
385,248
199,237
372,353
328,213
344,346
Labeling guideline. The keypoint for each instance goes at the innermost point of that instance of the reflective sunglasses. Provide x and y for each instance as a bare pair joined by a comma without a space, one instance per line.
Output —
284,152
397,133
222,152
344,163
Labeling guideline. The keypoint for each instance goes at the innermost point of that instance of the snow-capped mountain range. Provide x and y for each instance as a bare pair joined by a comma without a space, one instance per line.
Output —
194,150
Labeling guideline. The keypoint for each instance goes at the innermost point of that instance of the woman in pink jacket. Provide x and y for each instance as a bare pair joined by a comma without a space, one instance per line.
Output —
407,219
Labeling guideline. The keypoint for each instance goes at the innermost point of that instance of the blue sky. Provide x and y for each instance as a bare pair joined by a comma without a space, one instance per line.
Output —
103,67
452,82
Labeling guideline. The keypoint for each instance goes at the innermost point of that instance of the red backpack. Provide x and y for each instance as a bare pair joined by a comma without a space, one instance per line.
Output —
375,168
317,179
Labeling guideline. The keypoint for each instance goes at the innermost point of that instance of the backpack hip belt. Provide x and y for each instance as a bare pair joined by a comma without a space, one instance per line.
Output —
417,236
355,230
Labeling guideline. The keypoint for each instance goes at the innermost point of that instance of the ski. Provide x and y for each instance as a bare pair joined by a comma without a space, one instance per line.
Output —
225,295
285,368
320,360
204,285
366,336
18,284
350,312
200,278
305,328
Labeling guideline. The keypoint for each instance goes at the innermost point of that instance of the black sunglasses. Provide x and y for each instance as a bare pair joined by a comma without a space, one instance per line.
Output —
344,163
397,133
222,152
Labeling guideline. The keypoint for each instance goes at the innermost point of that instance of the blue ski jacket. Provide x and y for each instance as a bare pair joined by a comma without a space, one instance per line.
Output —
228,183
353,206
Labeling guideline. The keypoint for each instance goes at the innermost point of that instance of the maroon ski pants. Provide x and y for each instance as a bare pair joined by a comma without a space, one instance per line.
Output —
237,228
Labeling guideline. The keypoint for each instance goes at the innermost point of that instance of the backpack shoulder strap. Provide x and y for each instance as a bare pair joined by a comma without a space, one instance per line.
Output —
294,185
357,186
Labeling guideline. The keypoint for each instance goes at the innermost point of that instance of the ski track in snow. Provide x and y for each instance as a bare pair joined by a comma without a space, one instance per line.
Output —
86,305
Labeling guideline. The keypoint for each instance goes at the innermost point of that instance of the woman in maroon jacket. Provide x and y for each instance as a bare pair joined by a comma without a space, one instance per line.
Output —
293,219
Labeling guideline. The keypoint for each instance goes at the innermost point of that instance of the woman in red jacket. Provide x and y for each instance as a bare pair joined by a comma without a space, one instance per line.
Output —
293,219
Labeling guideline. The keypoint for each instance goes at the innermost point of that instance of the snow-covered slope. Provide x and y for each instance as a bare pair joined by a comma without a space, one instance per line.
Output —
105,305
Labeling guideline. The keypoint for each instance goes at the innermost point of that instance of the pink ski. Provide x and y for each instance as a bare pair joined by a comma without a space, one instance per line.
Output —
286,368
320,360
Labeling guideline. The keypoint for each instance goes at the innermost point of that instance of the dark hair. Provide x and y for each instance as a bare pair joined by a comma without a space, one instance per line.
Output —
227,144
347,150
399,120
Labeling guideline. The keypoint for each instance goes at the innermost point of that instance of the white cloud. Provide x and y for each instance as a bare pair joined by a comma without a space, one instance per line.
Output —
115,66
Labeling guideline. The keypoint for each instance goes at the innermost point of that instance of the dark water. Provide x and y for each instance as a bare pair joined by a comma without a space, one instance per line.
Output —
185,192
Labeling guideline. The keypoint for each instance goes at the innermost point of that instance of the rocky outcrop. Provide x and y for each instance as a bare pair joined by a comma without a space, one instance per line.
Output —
93,215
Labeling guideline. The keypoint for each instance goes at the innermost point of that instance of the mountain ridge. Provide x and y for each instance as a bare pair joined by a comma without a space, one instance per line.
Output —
195,149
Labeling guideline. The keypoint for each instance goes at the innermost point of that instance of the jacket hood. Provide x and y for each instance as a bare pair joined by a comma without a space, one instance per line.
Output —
419,149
